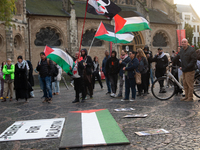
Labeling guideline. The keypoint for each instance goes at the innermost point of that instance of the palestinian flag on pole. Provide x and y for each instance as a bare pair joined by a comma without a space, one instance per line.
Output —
130,24
106,32
91,128
103,7
60,57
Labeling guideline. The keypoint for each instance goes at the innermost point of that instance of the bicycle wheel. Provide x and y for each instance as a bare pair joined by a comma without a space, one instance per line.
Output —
164,93
197,86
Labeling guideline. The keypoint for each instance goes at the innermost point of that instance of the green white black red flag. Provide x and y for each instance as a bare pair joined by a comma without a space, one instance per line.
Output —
103,7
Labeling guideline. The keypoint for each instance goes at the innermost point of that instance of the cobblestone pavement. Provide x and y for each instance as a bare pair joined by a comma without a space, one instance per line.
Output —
181,119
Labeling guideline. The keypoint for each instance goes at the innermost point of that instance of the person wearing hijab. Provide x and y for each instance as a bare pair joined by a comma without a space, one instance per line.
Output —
21,79
87,72
112,69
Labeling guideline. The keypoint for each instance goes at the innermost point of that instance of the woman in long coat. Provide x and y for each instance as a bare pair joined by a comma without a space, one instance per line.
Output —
21,80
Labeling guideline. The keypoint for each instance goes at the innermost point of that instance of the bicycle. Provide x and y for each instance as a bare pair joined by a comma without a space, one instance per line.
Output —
169,82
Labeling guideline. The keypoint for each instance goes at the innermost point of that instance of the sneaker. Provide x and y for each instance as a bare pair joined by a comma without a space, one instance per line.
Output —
45,100
108,93
72,84
4,100
131,100
7,97
32,94
115,95
112,94
75,101
102,88
1,98
123,100
119,95
50,100
84,98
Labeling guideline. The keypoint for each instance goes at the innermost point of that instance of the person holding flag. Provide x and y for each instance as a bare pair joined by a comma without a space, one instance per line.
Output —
78,78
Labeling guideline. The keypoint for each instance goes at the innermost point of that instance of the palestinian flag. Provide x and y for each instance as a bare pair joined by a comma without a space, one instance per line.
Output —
103,7
130,24
60,57
106,32
91,128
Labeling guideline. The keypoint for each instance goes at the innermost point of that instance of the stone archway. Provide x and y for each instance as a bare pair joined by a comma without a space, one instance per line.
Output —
138,42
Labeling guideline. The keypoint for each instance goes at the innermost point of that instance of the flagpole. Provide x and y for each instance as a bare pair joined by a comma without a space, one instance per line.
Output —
83,28
91,45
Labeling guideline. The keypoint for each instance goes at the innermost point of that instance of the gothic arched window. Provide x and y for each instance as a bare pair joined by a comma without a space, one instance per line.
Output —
160,40
88,37
47,36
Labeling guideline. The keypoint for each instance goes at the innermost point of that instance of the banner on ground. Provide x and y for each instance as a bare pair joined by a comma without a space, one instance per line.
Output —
91,128
33,129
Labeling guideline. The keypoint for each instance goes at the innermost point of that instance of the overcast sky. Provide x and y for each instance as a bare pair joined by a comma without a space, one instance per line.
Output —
195,4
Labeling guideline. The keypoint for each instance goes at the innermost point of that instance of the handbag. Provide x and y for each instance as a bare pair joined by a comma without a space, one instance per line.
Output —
138,77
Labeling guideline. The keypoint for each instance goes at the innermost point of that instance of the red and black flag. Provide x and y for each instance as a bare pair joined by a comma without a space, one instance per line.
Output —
103,7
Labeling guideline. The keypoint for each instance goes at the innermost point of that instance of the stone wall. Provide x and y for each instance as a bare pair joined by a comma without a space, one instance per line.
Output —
38,22
170,32
2,43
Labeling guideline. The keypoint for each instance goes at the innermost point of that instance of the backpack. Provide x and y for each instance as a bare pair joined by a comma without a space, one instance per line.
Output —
55,71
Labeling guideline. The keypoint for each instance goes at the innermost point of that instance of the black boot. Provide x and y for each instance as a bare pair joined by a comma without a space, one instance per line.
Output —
75,101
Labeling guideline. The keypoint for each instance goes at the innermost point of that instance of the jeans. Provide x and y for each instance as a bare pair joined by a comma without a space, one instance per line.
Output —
2,88
113,80
40,79
108,84
56,87
121,84
130,83
46,86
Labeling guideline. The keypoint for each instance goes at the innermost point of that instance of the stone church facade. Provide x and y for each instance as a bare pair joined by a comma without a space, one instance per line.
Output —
59,23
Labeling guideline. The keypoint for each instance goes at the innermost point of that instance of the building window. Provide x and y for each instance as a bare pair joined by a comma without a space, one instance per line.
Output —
88,37
160,40
48,36
194,27
197,28
198,40
195,41
187,17
17,42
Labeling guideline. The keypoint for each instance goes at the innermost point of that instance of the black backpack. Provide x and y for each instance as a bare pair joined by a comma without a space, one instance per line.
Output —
55,71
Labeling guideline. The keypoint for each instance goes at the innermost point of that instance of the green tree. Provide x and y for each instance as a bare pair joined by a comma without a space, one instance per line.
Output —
7,10
189,33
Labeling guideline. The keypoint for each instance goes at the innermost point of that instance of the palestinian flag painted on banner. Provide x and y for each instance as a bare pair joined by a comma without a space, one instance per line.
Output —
60,57
103,7
91,128
130,24
106,32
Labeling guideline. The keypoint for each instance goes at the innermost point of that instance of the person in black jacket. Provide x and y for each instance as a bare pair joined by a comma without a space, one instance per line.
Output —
45,69
87,72
130,69
161,64
96,72
77,72
142,68
149,56
112,69
188,58
124,59
21,80
30,78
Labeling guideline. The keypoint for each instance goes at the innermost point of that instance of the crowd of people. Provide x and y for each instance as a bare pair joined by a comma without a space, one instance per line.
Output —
86,71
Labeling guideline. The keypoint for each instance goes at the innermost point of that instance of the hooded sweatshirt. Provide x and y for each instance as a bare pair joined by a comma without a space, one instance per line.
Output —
87,59
112,65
